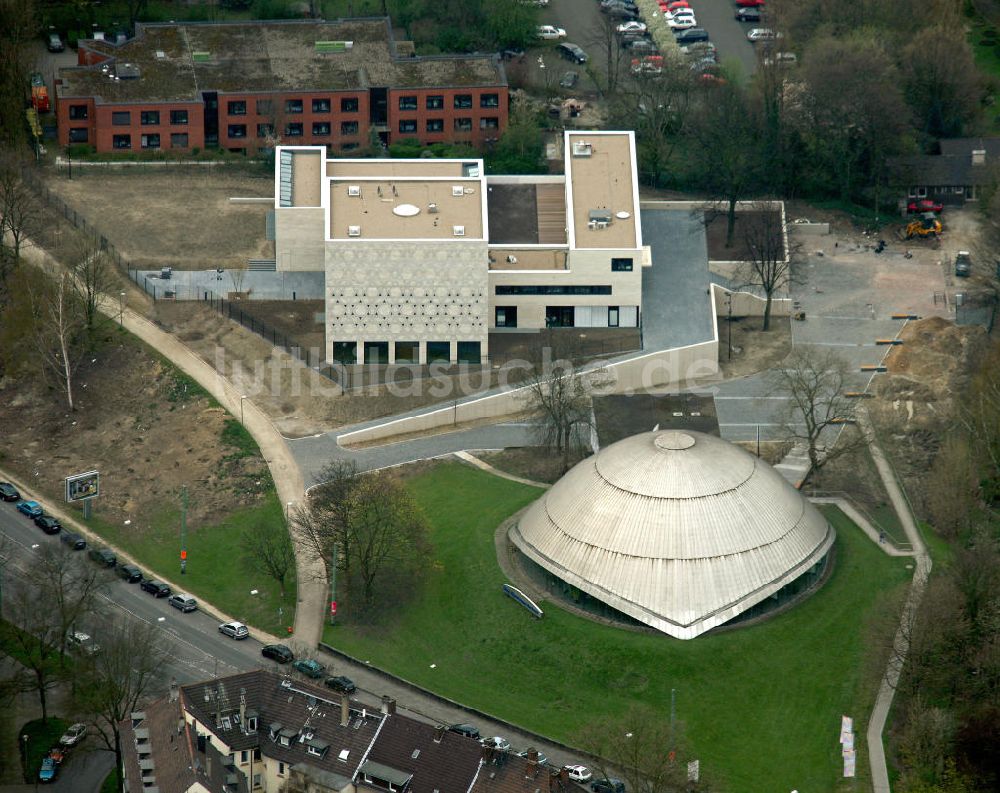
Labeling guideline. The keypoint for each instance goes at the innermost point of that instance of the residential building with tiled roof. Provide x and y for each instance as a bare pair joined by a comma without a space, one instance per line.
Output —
260,732
957,174
248,85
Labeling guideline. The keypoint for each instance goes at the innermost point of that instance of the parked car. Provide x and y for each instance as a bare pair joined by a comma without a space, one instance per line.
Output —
30,508
277,652
129,573
55,43
700,49
309,668
963,264
156,588
569,80
103,556
748,15
761,34
48,524
8,492
342,684
611,785
578,773
542,759
749,3
235,630
623,5
690,35
572,52
682,23
74,734
81,642
642,45
73,540
621,11
47,772
924,205
550,32
496,742
781,59
631,27
468,730
184,603
57,754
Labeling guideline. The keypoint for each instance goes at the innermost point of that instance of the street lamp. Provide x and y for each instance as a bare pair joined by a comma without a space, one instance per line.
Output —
288,506
24,740
244,396
121,308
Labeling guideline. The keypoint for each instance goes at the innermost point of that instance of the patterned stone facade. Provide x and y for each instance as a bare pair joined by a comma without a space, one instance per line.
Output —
399,291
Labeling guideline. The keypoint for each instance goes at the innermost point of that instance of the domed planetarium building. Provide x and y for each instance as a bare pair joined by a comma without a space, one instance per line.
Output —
679,530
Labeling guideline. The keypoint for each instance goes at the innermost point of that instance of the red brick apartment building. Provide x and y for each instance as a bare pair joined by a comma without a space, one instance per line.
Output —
244,86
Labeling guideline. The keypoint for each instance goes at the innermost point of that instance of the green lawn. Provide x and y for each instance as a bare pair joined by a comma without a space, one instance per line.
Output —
41,738
215,569
762,705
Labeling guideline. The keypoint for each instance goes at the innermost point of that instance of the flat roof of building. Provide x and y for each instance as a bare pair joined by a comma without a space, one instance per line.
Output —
602,190
513,258
176,62
406,199
527,213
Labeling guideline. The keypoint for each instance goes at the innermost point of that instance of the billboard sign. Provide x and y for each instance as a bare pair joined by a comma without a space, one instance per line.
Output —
82,487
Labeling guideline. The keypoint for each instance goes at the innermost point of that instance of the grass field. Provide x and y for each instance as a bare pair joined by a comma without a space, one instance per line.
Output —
762,705
42,736
215,569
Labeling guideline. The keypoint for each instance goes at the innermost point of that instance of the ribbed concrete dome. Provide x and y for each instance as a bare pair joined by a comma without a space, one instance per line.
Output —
681,530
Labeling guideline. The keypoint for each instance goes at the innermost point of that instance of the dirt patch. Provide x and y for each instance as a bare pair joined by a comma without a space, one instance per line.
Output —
715,235
299,320
575,343
753,350
529,462
145,426
174,217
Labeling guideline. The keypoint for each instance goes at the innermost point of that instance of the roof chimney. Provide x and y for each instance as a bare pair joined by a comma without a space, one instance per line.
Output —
439,733
388,705
979,156
486,753
532,754
345,710
564,775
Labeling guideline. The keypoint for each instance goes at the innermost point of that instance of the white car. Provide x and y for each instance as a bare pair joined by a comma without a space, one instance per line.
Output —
496,742
761,34
631,27
678,13
682,23
236,630
81,642
578,773
550,32
73,735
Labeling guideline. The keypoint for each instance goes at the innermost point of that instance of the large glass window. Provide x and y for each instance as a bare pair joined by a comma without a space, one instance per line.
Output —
506,317
435,125
469,352
463,125
265,107
178,117
349,105
408,126
621,265
435,102
238,107
546,289
150,141
321,105
178,140
77,112
348,127
490,122
489,100
122,141
78,135
237,130
263,130
321,128
121,118
463,101
407,103
150,118
293,130
293,106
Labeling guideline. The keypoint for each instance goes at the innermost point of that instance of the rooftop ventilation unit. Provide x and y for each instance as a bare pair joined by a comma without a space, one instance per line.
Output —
457,190
582,148
458,231
128,71
161,55
354,231
354,190
432,209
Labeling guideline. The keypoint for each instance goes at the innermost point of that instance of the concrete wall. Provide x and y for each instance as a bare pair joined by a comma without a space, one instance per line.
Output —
298,238
747,305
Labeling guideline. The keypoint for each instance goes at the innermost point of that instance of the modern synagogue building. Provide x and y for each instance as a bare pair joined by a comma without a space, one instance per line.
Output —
681,531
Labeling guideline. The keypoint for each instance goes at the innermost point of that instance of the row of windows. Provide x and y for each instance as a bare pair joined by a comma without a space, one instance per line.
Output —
460,124
265,107
553,290
461,101
293,130
123,118
178,140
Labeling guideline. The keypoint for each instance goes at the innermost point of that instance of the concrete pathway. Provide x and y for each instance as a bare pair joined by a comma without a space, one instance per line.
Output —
883,702
864,524
485,466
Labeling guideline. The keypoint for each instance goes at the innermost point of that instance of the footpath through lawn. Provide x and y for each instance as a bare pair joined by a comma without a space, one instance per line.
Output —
762,704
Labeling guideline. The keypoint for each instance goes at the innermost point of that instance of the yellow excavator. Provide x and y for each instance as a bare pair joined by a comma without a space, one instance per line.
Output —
924,227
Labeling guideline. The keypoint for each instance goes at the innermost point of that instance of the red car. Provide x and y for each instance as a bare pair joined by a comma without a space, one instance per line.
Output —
749,3
667,6
924,205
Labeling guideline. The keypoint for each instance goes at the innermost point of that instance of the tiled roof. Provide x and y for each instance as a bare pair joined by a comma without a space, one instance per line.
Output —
953,167
176,62
169,749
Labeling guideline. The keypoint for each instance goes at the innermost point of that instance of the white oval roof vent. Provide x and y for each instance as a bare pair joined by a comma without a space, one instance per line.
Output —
406,210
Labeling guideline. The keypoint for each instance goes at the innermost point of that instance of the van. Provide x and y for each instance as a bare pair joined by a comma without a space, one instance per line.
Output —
183,602
468,730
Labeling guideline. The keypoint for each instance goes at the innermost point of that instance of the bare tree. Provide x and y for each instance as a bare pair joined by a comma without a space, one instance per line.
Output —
20,211
385,530
767,265
59,320
979,416
128,669
558,395
647,749
267,549
604,37
952,488
18,30
93,278
237,275
35,638
321,524
815,380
